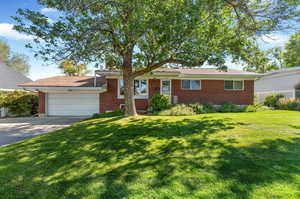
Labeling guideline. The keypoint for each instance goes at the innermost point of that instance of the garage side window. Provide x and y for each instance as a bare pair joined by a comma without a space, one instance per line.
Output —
234,85
140,88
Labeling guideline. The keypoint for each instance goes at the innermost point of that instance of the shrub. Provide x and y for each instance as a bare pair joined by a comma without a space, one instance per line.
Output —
197,108
229,107
202,108
256,108
20,103
251,108
178,110
208,108
271,100
159,102
289,104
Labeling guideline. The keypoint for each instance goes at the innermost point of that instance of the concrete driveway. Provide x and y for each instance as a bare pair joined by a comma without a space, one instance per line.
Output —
16,129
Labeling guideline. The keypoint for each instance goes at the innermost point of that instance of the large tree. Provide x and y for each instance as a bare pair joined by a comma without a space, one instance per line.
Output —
142,35
17,61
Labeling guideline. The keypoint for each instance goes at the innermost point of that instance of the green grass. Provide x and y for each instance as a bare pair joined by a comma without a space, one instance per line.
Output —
236,156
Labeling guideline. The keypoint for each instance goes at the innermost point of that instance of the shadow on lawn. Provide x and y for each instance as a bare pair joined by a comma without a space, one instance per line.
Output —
105,158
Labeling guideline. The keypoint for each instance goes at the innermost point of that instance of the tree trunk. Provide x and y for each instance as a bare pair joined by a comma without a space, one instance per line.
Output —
130,109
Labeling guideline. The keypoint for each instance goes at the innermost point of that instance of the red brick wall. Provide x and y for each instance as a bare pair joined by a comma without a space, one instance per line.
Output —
109,100
42,109
213,92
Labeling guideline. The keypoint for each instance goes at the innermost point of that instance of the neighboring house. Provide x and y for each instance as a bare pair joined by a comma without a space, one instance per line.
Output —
62,95
285,82
9,81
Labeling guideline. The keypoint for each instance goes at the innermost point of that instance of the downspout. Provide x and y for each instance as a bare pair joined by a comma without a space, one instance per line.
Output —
95,79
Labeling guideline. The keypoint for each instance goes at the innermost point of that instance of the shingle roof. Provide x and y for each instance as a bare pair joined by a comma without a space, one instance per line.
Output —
205,71
67,81
10,78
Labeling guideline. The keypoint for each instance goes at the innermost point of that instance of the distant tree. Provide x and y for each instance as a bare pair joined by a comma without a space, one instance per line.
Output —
17,61
70,68
275,56
4,51
258,61
141,36
291,55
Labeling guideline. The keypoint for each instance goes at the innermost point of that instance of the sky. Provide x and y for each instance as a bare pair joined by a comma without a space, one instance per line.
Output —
40,70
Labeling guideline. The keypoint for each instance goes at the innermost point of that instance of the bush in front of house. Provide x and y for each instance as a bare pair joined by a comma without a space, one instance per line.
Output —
197,108
256,108
202,108
229,108
271,100
289,104
159,102
19,103
178,110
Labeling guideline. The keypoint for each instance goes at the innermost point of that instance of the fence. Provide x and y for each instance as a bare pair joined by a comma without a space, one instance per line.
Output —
286,93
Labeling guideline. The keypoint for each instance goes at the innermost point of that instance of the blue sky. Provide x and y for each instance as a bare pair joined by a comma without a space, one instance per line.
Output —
39,69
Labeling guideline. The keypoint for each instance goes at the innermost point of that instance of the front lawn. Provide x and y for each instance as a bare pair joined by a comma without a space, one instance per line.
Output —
236,156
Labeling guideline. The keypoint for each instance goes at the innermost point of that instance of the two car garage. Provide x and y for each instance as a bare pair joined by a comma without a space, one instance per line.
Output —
68,95
69,104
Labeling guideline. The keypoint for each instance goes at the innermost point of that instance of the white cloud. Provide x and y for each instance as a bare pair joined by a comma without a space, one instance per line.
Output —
6,30
48,10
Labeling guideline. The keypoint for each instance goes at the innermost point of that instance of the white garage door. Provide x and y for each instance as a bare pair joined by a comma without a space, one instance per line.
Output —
64,104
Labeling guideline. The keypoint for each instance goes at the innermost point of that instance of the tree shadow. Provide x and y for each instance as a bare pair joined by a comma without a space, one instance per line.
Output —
117,157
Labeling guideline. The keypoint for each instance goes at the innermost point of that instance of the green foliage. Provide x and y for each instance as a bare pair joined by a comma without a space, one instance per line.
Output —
4,51
19,103
17,61
256,108
209,108
291,55
167,32
70,68
159,102
178,110
229,108
202,108
289,104
271,100
197,108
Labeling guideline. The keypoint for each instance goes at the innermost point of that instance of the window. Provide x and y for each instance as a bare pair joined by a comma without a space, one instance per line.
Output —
191,84
297,93
233,84
140,88
165,87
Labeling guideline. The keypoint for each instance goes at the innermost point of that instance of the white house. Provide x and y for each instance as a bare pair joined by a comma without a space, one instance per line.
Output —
285,81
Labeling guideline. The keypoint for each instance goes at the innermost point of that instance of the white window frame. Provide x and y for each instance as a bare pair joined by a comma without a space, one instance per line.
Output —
144,96
191,84
234,89
161,86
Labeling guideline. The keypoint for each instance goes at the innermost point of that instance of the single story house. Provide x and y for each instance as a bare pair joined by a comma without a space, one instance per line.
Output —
9,81
86,95
285,81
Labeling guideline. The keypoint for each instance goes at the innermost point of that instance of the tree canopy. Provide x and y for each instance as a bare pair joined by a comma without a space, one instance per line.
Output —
17,61
291,55
140,36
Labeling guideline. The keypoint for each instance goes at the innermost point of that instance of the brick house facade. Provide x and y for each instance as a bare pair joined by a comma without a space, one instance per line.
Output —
87,95
212,92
